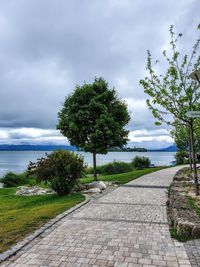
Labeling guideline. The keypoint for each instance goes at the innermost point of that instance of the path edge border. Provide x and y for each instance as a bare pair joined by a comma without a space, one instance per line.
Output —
21,244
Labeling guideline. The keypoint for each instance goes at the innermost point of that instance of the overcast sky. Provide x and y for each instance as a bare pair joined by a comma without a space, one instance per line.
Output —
49,46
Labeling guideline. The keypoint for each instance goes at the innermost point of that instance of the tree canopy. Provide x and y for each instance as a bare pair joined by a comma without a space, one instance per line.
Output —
172,93
180,134
93,118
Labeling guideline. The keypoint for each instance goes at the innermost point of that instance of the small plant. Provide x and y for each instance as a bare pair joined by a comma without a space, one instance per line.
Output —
60,169
141,162
182,157
175,235
114,167
11,179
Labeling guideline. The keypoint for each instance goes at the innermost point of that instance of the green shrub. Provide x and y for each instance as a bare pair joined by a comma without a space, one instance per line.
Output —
112,168
141,162
181,157
11,179
60,169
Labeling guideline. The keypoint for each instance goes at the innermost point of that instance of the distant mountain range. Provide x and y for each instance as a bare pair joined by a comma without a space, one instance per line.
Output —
172,148
6,147
36,147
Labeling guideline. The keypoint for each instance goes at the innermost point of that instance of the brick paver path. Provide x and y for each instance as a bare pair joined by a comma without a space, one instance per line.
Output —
127,227
193,250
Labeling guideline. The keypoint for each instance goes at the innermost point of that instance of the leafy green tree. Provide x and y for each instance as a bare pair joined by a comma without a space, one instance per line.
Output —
93,118
172,94
181,136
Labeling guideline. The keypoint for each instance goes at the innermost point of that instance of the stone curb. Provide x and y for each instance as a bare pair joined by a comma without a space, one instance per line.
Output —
181,216
11,252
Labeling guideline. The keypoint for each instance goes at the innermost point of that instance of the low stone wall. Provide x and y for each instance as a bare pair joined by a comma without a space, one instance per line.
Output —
182,217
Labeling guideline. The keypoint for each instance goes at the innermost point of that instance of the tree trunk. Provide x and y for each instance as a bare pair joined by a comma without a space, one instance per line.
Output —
190,152
194,158
95,166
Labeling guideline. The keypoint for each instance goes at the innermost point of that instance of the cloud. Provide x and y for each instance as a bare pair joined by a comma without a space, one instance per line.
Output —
151,139
31,136
145,133
48,47
148,139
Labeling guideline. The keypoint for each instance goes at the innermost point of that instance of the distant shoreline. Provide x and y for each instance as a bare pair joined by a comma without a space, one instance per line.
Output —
49,150
32,148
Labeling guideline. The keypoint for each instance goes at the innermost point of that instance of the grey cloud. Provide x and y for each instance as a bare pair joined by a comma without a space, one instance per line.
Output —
31,135
49,46
149,139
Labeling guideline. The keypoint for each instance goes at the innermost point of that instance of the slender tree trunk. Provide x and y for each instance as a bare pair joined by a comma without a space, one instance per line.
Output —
194,158
95,166
190,151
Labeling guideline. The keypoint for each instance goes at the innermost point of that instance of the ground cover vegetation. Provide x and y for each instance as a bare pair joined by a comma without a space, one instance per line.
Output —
11,179
116,167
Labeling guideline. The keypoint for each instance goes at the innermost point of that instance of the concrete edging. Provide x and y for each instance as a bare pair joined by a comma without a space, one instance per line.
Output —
16,248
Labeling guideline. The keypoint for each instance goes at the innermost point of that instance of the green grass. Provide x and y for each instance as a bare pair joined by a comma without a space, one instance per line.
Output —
122,178
20,215
180,238
194,206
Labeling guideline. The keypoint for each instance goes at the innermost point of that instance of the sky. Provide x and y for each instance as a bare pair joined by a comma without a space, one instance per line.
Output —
48,47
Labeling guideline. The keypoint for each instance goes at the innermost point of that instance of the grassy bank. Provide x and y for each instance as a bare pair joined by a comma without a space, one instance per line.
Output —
21,215
122,178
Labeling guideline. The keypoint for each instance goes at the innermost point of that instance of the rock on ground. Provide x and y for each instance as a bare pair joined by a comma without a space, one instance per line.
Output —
32,191
97,184
92,191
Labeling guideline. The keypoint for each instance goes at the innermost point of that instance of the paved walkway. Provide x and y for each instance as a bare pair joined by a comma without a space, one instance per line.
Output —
193,251
127,227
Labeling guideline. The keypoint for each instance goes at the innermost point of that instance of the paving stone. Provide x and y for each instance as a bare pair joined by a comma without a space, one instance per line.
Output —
127,227
193,251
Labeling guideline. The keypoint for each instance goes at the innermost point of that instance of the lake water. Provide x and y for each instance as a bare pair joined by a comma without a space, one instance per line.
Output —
17,161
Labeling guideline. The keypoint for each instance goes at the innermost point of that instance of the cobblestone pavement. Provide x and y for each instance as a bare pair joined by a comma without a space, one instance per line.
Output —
193,250
126,228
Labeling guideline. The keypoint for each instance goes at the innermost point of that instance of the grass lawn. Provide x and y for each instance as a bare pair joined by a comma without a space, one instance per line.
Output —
21,215
122,178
